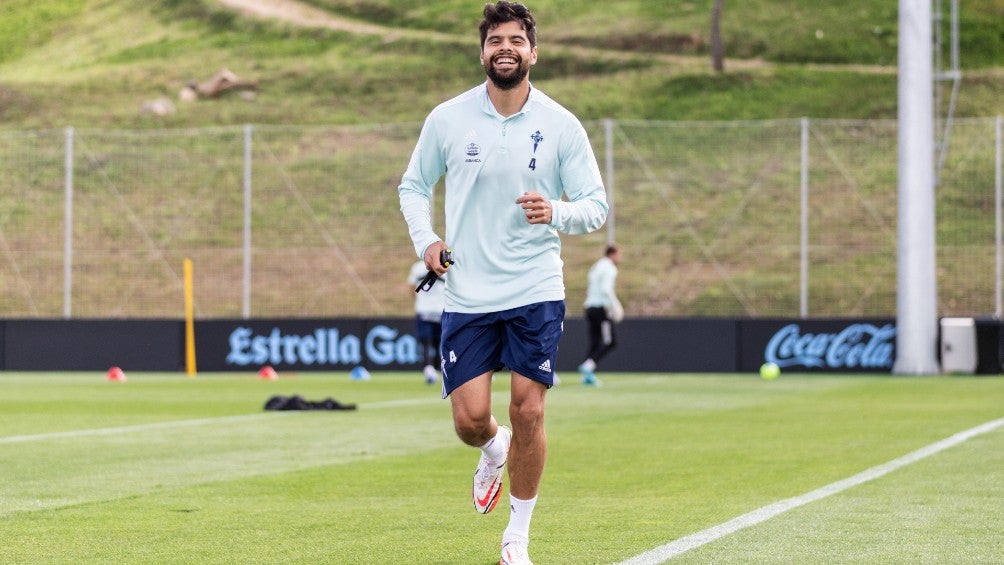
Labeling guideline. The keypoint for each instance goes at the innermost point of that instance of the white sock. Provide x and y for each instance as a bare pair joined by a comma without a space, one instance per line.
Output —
589,365
495,451
520,512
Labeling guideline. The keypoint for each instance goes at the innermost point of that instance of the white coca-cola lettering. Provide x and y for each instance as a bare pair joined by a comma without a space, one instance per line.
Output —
865,346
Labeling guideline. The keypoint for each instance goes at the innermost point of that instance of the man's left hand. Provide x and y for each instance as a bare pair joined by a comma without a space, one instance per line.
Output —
536,208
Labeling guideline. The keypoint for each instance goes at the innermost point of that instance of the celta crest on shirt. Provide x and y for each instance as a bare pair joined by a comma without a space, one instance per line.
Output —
472,149
537,138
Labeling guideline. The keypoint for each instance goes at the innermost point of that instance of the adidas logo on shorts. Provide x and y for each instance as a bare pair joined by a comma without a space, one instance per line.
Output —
545,366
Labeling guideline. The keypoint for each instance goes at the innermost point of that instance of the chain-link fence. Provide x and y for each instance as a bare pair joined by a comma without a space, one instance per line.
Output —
764,218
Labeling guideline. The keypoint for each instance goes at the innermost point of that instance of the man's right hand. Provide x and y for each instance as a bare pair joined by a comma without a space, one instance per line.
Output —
432,255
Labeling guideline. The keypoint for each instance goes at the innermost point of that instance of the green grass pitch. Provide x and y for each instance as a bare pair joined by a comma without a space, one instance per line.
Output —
167,469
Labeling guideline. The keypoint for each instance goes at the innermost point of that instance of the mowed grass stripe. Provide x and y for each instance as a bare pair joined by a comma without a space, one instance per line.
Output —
944,509
67,467
677,547
188,423
643,459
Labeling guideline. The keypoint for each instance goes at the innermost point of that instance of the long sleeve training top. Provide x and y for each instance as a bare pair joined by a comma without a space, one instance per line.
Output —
502,261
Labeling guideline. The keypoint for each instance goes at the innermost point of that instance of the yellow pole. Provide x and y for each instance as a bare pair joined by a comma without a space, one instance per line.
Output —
189,322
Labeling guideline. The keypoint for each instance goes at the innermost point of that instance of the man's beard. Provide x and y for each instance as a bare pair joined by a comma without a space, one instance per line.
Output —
510,81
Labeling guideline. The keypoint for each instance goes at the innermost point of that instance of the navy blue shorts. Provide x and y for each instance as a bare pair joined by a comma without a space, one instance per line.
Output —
427,331
525,339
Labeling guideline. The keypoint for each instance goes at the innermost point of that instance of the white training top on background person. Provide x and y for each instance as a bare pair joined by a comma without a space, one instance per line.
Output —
429,304
600,291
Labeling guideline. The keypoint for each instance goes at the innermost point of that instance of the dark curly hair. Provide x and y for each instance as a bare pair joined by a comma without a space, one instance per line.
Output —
502,12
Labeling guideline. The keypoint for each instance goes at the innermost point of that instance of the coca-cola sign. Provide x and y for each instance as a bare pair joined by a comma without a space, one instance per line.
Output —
819,345
858,346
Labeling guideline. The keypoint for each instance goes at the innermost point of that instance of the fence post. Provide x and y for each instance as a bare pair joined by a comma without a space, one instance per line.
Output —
246,297
803,292
68,228
999,220
608,126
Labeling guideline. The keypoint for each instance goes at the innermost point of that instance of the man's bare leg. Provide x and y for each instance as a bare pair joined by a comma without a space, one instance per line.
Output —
472,411
528,450
475,425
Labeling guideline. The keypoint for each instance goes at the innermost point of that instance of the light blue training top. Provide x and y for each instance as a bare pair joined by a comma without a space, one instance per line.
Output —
600,291
502,261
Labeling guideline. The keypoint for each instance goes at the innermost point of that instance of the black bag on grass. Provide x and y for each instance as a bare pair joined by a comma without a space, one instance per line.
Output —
297,402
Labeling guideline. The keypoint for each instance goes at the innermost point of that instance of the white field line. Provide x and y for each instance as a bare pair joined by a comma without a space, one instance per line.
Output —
670,550
188,423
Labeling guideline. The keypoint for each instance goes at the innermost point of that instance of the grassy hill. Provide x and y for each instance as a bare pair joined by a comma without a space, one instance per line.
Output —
692,201
92,63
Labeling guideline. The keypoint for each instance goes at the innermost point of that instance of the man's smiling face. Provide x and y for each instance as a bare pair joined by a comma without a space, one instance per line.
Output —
507,55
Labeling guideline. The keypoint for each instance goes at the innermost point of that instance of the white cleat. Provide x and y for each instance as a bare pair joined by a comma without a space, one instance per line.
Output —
488,477
514,552
430,375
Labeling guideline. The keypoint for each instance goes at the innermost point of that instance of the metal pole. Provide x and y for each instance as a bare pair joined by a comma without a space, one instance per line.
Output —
954,46
916,278
68,228
608,126
998,202
939,66
954,74
246,298
803,308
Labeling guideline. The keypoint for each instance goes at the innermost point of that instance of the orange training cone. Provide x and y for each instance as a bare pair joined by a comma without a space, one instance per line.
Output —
268,373
116,374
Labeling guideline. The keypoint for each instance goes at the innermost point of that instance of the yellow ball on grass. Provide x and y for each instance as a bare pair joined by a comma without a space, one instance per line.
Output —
769,371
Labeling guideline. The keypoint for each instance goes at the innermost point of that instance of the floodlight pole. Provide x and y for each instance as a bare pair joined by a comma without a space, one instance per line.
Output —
916,297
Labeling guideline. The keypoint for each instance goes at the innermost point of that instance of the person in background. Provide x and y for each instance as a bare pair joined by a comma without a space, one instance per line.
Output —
428,319
603,310
519,169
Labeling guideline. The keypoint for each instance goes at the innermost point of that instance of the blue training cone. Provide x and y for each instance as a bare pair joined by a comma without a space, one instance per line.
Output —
359,374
